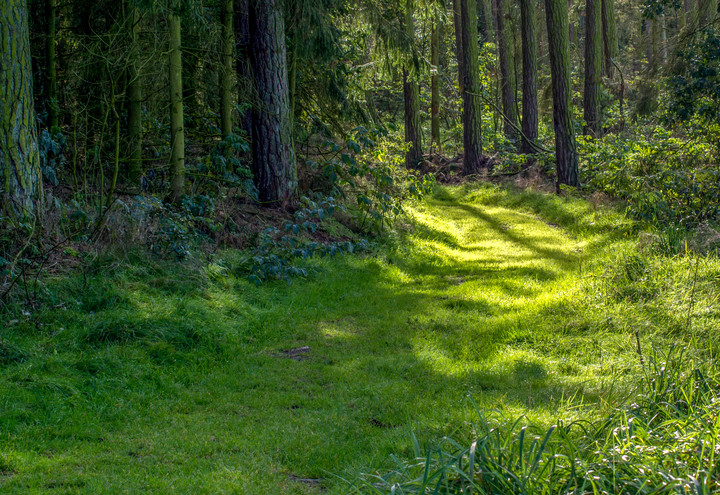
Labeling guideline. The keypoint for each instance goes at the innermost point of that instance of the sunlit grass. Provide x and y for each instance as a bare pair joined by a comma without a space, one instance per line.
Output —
146,376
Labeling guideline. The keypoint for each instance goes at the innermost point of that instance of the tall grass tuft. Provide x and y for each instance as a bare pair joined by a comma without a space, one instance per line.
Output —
667,440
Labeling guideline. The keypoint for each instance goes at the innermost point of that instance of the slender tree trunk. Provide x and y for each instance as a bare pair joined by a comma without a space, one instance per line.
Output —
507,72
134,99
20,177
177,126
273,154
610,40
435,84
53,107
529,72
457,19
593,68
556,12
245,83
411,92
472,106
226,78
482,16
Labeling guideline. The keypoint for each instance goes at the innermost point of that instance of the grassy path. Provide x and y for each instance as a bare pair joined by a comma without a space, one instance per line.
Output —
160,381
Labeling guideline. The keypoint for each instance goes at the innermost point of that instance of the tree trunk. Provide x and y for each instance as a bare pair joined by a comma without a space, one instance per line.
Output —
21,186
529,72
556,13
411,92
482,16
435,85
53,106
459,46
273,154
245,85
226,78
593,68
472,105
134,99
610,40
177,126
507,72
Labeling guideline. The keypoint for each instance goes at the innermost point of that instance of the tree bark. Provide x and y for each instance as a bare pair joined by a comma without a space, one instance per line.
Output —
245,85
177,126
507,72
610,40
134,99
273,154
472,105
21,179
529,73
593,68
556,13
226,78
411,92
435,85
457,20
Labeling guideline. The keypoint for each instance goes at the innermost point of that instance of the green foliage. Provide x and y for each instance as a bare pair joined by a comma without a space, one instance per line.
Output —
669,437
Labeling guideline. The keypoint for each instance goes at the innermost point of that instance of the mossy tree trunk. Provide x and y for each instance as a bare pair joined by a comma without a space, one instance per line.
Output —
411,93
556,13
273,154
135,125
20,175
593,68
226,78
457,23
528,15
472,105
177,126
507,72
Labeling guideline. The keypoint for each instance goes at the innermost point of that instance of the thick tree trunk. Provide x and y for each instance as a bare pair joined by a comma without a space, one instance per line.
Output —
177,126
529,72
20,176
411,92
53,106
435,85
610,40
273,154
507,72
457,20
226,78
556,12
472,105
593,68
134,99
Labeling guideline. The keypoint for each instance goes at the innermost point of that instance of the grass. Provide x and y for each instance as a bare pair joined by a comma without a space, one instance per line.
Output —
146,376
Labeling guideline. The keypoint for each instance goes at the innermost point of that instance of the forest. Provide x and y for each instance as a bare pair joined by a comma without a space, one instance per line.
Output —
360,247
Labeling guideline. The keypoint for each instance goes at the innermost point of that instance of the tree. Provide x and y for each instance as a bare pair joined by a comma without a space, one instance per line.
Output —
457,22
435,83
273,154
529,73
556,13
593,68
472,105
411,93
610,40
53,105
226,77
134,89
177,126
507,72
21,185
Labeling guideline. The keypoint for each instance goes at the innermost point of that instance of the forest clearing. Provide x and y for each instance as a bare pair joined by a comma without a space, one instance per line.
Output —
360,247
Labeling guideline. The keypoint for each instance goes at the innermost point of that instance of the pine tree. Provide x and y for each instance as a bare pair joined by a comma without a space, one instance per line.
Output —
593,68
529,71
411,93
556,12
472,106
177,126
507,66
273,154
134,89
20,175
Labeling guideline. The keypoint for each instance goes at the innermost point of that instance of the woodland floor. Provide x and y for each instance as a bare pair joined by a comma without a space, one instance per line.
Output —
147,377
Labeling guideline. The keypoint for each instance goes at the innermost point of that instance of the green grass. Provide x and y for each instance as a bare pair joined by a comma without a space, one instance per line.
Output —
146,376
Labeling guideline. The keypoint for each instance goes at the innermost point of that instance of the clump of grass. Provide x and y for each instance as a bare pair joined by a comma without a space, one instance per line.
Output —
667,440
